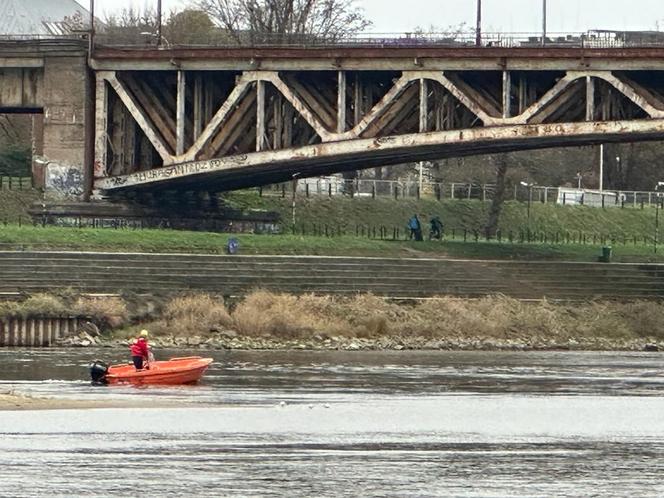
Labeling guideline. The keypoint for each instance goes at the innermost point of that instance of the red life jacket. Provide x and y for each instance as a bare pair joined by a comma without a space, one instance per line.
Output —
139,347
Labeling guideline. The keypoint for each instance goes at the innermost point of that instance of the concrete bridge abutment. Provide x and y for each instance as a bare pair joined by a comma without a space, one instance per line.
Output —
50,82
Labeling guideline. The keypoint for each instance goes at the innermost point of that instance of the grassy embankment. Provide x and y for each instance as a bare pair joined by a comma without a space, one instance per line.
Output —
362,322
630,229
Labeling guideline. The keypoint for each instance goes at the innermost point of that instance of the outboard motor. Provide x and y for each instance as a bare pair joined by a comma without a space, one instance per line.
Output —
98,371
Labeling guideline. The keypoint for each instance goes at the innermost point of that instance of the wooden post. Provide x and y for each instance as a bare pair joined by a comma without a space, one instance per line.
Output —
260,115
181,113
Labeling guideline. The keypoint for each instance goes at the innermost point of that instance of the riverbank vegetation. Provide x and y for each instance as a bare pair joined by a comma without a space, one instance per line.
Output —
13,237
266,320
370,227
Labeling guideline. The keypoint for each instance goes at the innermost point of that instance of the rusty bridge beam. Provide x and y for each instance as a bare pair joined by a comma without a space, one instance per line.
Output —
388,150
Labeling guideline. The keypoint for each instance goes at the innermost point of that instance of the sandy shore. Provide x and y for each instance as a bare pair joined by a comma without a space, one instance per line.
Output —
10,400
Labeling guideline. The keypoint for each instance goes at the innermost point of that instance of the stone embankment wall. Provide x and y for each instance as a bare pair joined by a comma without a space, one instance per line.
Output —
163,274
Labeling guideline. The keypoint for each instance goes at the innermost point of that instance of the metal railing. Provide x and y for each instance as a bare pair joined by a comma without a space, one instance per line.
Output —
478,234
410,189
15,183
139,37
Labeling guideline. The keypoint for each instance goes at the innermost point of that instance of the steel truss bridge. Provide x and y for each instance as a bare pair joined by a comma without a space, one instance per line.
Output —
213,119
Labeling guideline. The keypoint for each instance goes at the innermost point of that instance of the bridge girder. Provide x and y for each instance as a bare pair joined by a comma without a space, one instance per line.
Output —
227,130
266,167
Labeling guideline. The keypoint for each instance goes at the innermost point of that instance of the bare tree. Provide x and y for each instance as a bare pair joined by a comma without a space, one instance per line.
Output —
501,162
255,21
186,27
128,24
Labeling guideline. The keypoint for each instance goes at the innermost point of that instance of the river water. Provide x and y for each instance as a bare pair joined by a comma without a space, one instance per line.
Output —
343,424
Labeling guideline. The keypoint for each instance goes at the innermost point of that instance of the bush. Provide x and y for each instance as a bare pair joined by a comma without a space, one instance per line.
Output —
194,314
35,305
109,310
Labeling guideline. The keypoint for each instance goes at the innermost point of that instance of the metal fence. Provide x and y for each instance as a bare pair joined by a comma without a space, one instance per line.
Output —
400,233
15,183
408,189
465,234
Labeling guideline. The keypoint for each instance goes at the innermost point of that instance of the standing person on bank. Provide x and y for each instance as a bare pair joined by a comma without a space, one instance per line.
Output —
139,350
415,228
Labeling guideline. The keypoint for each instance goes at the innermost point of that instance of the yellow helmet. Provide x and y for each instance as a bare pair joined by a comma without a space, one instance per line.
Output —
144,333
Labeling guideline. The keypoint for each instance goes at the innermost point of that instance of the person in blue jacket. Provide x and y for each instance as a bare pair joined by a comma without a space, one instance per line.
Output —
415,228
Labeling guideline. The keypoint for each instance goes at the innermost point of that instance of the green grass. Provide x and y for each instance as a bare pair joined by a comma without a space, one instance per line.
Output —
48,238
347,214
617,226
14,204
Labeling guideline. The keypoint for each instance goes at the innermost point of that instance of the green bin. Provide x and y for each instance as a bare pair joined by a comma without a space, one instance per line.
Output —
606,254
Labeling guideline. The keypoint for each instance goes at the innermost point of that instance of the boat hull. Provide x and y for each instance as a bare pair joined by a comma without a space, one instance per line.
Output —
176,371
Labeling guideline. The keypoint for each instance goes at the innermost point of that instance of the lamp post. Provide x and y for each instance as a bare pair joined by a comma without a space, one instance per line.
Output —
478,24
543,22
159,23
91,36
657,224
530,200
294,187
601,167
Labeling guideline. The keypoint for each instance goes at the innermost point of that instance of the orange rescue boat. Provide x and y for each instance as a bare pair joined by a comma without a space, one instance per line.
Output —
175,371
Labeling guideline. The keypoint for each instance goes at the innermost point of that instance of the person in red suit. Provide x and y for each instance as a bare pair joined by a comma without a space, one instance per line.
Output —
139,349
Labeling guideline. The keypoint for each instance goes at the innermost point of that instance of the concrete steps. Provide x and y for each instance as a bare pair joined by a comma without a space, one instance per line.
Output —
236,275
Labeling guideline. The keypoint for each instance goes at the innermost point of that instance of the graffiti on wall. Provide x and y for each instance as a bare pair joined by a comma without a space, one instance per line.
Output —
64,180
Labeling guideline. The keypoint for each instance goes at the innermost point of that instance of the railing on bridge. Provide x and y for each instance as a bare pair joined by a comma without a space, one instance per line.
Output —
219,38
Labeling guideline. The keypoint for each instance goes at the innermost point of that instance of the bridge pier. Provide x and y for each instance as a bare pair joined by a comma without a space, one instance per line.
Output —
50,81
64,128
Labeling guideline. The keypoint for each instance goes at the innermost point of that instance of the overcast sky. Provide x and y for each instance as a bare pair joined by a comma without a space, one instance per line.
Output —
391,16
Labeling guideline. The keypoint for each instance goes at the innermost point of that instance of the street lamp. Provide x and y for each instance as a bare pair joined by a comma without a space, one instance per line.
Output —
294,187
530,199
478,25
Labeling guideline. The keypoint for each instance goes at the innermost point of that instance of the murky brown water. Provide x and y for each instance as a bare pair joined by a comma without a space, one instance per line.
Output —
345,424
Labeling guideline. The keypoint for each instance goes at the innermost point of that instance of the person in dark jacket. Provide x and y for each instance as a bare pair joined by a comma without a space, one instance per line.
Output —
139,349
435,228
